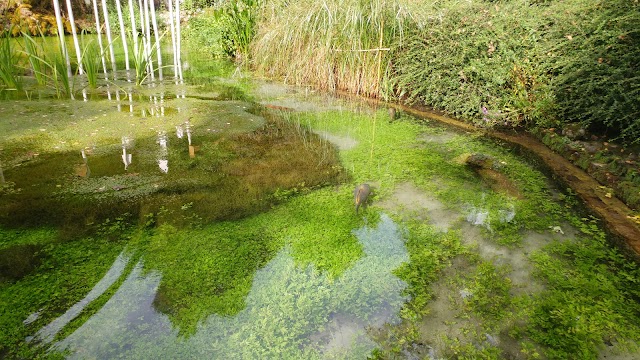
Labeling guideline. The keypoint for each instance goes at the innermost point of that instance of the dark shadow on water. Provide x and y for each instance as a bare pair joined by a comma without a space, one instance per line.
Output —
205,177
18,261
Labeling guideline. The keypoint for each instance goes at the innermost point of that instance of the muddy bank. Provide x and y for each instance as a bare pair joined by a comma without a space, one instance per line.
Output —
615,214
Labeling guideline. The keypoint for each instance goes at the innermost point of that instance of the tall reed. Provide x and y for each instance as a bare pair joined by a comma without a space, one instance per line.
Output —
141,60
61,78
8,59
91,62
242,24
333,44
35,56
49,69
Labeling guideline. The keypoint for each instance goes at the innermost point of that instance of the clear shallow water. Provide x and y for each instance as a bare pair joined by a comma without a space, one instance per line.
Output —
165,140
291,311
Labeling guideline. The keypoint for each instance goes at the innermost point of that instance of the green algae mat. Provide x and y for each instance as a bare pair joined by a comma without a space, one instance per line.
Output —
208,226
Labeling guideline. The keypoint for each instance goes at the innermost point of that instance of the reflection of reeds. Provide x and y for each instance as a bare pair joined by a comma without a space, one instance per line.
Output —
8,74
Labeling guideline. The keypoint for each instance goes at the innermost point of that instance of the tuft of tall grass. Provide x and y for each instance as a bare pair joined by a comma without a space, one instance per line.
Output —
91,62
333,44
141,61
48,68
8,59
243,15
60,76
36,57
556,62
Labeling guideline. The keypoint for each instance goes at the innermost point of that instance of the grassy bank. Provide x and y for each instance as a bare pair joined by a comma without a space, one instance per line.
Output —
565,70
553,63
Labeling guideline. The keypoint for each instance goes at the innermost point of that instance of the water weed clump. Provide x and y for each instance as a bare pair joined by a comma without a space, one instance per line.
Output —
496,315
592,297
60,277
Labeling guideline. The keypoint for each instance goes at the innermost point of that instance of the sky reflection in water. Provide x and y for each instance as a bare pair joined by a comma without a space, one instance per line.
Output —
291,312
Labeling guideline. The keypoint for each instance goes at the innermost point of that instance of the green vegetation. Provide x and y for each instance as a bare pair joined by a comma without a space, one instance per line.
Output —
494,303
62,276
592,51
592,297
225,30
204,35
334,45
32,17
91,62
8,71
303,243
251,246
558,62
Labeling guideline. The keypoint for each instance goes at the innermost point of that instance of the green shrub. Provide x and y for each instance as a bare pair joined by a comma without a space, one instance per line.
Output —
224,31
205,34
593,49
474,60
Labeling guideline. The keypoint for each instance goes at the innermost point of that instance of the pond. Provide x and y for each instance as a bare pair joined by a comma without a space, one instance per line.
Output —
215,219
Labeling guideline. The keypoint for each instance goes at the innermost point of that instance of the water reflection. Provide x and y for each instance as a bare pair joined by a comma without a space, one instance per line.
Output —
291,311
49,331
84,170
192,149
482,215
163,162
126,157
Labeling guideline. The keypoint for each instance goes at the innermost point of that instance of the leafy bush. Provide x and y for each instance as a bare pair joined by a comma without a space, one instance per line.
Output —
223,31
476,61
593,50
205,34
